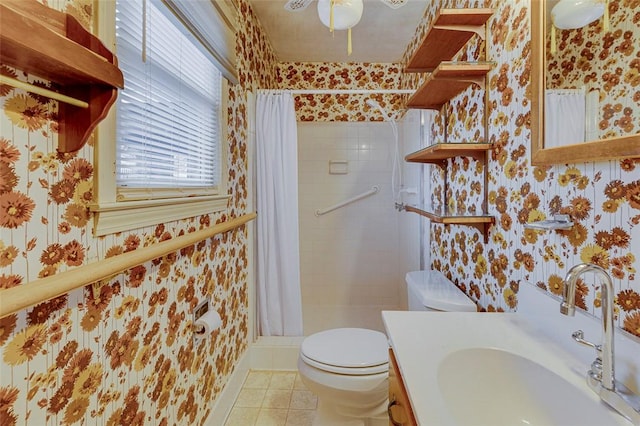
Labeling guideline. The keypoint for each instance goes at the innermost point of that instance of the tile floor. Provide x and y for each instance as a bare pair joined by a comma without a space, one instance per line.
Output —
273,398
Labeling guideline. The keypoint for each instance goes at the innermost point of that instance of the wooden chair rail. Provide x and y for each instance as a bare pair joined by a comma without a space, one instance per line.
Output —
17,298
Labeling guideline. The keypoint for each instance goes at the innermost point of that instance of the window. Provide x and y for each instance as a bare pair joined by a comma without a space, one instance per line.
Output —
168,114
164,145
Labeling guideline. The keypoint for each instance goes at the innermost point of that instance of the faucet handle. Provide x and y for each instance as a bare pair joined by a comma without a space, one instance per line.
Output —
578,336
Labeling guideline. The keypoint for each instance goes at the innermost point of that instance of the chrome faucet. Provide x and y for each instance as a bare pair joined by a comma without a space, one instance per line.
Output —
601,376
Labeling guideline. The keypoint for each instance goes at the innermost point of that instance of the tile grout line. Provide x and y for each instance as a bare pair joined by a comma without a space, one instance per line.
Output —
263,380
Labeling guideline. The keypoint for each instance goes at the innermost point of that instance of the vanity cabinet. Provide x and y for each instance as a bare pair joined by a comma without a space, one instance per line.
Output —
450,31
53,45
400,411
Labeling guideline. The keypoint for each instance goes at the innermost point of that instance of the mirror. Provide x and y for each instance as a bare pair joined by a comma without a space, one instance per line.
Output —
607,148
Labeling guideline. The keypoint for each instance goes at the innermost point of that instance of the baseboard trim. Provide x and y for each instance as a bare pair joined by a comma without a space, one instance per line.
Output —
268,353
276,353
223,405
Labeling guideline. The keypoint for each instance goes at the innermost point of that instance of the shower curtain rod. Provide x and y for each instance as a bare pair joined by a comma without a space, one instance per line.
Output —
339,91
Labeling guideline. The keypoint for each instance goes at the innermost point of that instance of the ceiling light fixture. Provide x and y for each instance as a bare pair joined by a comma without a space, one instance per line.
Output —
340,15
573,14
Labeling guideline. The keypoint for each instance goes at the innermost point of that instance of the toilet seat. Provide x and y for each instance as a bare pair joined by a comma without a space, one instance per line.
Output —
351,351
348,371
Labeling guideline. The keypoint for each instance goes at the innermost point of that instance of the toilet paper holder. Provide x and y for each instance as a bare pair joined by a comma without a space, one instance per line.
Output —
200,310
202,327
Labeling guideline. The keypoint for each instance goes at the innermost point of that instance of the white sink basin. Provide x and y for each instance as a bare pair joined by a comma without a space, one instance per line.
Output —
486,386
480,369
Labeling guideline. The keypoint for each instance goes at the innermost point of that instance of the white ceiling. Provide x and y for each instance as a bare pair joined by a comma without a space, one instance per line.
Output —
381,36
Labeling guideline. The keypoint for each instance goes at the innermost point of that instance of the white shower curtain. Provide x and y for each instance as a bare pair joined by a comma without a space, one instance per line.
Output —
278,256
564,117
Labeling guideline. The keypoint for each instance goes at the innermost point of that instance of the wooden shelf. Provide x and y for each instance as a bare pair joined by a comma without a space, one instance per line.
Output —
54,46
446,81
438,154
451,29
482,222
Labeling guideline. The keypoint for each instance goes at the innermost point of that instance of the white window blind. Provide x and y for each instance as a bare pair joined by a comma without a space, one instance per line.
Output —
168,115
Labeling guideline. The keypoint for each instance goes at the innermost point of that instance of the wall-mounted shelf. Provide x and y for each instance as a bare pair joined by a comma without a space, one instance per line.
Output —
446,81
54,46
451,29
482,222
438,154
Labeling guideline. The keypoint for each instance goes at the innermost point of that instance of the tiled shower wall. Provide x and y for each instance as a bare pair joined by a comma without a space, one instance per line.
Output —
349,257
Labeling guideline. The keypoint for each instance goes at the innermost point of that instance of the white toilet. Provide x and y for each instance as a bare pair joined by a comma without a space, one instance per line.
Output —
347,368
432,291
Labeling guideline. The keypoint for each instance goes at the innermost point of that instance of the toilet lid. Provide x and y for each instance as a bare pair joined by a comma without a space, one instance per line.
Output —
350,348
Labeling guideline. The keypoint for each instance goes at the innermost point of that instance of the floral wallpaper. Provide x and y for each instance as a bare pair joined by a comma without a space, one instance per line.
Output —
603,60
119,352
600,197
341,107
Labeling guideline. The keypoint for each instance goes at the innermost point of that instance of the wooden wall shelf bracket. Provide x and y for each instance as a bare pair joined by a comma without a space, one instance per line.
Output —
54,46
476,29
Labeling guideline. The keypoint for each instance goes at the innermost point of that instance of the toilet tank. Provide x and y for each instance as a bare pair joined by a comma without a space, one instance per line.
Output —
432,291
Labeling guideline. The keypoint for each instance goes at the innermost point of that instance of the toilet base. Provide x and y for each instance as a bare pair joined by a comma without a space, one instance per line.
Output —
326,416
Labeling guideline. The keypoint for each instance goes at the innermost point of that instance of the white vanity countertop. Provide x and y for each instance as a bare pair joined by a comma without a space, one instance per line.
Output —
421,340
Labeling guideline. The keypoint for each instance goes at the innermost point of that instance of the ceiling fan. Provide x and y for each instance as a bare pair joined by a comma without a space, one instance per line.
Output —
339,14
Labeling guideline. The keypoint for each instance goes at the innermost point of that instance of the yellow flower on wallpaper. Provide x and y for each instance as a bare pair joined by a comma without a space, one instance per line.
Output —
539,173
536,215
25,345
510,298
611,206
511,169
83,194
556,283
481,267
563,180
88,381
593,253
25,112
530,236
